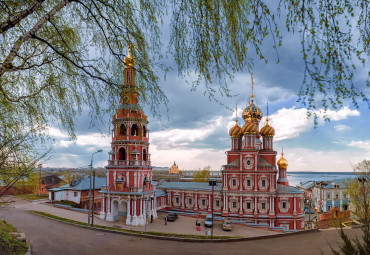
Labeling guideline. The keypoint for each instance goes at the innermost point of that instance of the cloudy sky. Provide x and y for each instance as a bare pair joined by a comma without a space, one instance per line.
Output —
196,133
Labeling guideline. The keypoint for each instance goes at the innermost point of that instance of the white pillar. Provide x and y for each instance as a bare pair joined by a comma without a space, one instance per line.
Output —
225,203
141,207
103,211
182,199
128,217
109,204
135,207
209,202
255,205
109,216
241,204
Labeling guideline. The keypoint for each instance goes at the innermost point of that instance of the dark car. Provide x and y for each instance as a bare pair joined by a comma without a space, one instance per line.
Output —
172,216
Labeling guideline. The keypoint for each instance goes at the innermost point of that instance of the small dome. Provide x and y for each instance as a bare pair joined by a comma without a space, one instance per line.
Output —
252,111
129,59
249,127
235,131
267,130
282,162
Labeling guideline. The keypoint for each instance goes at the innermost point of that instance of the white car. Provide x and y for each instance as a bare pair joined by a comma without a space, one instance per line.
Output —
208,221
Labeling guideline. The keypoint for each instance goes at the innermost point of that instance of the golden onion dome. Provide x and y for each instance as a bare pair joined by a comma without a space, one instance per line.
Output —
235,131
252,111
129,59
267,130
282,162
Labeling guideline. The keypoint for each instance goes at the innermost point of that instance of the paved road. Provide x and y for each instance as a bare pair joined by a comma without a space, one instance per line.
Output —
50,237
184,224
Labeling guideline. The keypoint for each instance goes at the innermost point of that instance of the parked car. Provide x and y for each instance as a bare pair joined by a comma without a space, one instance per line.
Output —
172,216
226,225
208,221
308,210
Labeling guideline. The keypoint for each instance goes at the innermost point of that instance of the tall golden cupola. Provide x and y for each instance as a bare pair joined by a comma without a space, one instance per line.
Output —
129,72
282,162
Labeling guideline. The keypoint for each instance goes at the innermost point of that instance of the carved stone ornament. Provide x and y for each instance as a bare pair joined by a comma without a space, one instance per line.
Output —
248,162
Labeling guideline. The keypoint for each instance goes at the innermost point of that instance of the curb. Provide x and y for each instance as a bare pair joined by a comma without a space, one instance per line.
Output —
182,239
29,250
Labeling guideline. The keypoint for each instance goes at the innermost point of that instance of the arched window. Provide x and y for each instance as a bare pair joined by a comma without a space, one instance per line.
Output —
122,154
145,155
122,129
144,131
128,76
134,130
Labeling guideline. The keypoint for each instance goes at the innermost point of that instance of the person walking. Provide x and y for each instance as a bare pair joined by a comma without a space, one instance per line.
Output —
196,224
165,220
151,218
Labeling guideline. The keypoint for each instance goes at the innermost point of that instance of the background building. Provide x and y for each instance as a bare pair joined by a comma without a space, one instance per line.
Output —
326,195
174,169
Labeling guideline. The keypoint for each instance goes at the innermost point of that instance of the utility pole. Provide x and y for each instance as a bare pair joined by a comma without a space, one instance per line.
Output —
91,167
40,180
93,200
146,211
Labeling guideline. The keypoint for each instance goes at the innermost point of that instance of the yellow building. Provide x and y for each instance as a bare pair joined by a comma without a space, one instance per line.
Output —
174,169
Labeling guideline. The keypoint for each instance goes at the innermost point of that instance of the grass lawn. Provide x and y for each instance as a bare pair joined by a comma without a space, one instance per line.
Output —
31,196
8,244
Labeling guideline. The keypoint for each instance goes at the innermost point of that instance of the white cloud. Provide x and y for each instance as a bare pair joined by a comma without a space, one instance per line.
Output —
342,128
188,158
343,113
57,133
292,122
361,144
92,139
176,138
303,159
289,123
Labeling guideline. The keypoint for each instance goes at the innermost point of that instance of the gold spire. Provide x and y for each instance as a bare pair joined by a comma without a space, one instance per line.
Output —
236,113
252,96
267,114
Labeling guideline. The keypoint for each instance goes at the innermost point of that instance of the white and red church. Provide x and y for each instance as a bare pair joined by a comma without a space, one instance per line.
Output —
253,189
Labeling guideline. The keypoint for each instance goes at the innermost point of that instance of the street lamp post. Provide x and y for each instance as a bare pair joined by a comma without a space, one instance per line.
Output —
212,182
91,167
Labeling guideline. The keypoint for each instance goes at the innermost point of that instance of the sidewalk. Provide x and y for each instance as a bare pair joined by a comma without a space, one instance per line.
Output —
183,225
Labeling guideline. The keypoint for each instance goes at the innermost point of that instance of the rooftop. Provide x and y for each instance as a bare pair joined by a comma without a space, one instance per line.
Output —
288,189
189,186
82,184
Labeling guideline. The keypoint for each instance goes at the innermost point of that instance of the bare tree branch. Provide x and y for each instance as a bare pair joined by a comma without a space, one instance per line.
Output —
13,21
